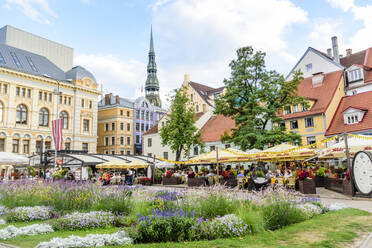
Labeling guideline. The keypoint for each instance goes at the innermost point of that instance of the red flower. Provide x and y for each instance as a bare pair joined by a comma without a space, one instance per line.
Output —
169,174
347,175
303,175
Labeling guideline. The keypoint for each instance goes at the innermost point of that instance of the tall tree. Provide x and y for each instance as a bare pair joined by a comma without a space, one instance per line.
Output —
253,99
180,133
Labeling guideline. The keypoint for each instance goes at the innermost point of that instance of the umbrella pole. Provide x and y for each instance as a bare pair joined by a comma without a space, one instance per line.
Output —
218,174
348,161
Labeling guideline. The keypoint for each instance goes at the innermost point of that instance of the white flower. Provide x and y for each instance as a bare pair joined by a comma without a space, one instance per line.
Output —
336,206
2,222
12,231
91,240
310,209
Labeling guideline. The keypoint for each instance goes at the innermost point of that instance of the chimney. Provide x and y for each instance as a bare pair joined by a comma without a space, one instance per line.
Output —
107,99
336,57
117,99
329,52
186,78
349,51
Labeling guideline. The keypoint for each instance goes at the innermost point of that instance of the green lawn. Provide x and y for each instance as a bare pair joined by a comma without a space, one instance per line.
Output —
334,229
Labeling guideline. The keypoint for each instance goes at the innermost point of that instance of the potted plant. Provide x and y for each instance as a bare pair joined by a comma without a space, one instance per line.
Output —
306,184
228,179
169,179
319,177
146,181
158,176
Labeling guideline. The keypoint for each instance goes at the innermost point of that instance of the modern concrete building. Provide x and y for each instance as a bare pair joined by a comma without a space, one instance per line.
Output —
58,54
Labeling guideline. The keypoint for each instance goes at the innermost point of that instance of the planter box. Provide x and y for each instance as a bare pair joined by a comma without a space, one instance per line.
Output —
307,186
334,184
196,182
347,187
232,182
319,181
170,180
146,183
157,180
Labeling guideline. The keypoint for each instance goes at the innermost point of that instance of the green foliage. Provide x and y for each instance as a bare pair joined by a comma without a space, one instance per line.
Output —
115,203
180,132
280,214
320,172
174,228
253,219
215,205
253,99
60,174
260,173
31,171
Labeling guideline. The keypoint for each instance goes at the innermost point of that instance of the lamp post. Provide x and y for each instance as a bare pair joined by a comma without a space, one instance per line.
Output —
58,93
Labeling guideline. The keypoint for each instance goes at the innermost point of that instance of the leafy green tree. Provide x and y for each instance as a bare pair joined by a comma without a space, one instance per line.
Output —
253,99
180,133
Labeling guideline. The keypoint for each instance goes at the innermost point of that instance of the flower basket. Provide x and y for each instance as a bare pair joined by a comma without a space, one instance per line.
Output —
196,182
157,180
170,180
145,181
307,186
319,181
347,187
229,182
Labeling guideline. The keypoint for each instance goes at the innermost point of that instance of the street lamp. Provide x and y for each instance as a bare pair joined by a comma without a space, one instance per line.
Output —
58,93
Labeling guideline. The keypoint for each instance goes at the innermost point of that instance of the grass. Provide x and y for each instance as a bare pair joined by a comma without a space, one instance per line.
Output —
334,229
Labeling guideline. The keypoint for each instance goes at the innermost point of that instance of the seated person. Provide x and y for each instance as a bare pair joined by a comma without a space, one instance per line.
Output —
241,174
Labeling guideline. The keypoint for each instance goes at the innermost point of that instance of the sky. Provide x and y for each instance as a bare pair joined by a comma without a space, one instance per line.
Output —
196,37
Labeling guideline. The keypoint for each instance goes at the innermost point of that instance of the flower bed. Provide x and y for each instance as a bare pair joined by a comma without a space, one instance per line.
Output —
89,220
91,240
12,231
29,213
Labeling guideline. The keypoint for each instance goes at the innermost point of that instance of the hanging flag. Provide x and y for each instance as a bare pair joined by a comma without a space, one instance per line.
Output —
57,133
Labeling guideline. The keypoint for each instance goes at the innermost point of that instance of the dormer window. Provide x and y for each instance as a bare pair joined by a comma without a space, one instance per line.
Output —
317,79
295,109
355,75
353,116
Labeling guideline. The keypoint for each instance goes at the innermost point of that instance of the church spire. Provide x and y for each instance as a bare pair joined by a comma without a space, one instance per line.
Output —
152,82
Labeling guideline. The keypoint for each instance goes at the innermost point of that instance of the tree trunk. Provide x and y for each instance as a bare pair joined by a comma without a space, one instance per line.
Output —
178,155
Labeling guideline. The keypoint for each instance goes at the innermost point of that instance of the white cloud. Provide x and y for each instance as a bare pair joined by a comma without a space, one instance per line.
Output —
37,10
322,31
345,5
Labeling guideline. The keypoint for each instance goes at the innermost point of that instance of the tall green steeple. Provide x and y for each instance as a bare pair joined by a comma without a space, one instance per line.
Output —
152,82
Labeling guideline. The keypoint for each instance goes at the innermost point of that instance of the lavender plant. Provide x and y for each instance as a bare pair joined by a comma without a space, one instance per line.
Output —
26,214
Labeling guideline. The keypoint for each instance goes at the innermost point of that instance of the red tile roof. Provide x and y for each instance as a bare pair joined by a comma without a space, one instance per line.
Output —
359,101
152,130
204,91
322,94
215,127
362,59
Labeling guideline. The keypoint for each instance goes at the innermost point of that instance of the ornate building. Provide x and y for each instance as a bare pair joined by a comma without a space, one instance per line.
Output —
152,82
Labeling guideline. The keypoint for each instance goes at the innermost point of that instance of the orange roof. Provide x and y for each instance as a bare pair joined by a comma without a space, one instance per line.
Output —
215,127
361,101
362,59
321,94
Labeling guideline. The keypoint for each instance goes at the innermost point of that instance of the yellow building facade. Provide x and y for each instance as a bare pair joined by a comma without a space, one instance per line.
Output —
115,126
323,98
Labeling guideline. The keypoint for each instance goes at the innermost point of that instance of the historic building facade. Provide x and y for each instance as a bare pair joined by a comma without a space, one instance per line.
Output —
34,91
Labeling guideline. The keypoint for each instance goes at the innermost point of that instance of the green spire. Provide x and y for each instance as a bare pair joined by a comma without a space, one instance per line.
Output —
151,43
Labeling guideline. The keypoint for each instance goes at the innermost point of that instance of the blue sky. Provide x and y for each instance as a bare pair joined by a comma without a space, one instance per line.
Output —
198,37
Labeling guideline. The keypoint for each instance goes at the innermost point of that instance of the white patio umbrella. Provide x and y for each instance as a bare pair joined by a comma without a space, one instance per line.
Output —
8,158
164,164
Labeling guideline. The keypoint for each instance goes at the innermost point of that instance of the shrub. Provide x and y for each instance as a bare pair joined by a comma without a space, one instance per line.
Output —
320,172
95,219
116,201
280,214
253,219
215,205
29,213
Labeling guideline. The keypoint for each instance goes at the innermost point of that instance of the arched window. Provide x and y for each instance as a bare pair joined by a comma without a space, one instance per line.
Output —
44,117
21,117
1,111
64,116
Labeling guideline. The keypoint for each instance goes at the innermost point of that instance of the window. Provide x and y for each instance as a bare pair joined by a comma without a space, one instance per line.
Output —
128,114
128,152
60,99
50,97
137,139
295,109
90,104
128,141
82,103
113,152
121,112
67,146
23,92
112,141
85,146
121,140
149,154
21,116
64,116
106,141
213,148
287,110
86,125
106,152
165,155
65,100
2,145
26,146
352,119
309,67
142,114
40,95
48,145
69,100
147,127
38,146
142,127
293,124
32,65
15,146
192,97
355,75
16,60
1,111
137,126
137,114
196,151
28,93
227,146
5,89
122,126
149,142
17,91
303,106
309,122
151,116
45,96
44,117
2,60
147,115
197,108
113,126
121,152
311,140
128,126
106,127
